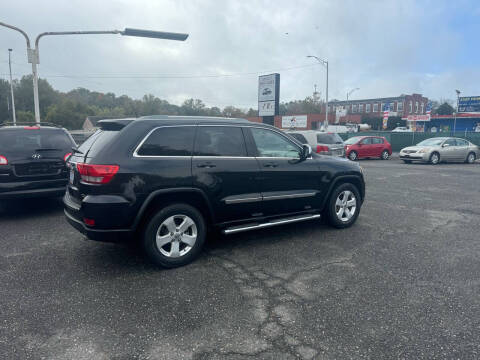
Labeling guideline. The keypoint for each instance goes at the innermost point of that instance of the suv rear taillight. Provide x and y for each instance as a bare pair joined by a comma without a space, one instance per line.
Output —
96,174
65,158
3,160
322,148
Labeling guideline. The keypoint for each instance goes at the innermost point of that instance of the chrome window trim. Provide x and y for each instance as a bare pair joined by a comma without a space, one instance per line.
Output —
243,200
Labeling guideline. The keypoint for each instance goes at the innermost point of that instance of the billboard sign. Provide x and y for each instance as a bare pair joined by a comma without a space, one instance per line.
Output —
296,121
418,117
268,94
469,104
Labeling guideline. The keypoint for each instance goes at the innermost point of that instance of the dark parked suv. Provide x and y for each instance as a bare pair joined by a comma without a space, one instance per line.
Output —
32,161
166,180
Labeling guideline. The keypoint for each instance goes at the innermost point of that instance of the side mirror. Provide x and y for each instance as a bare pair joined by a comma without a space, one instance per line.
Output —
445,145
306,151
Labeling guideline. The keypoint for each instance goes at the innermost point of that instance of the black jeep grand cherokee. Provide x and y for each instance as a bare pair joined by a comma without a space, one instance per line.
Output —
168,179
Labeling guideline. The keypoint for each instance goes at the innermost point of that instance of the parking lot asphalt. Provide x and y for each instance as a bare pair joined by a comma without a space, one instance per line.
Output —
404,282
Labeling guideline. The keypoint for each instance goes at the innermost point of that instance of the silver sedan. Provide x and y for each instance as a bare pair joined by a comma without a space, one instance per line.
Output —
441,149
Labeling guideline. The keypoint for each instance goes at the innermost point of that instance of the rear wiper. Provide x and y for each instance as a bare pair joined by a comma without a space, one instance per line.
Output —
76,151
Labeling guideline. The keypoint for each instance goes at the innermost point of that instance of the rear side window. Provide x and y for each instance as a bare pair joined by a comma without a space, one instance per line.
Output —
220,141
367,141
169,141
299,137
461,142
19,140
377,141
329,139
97,141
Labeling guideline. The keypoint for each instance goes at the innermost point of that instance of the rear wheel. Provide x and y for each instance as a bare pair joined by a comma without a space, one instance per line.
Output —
343,206
175,235
471,158
385,155
353,155
434,158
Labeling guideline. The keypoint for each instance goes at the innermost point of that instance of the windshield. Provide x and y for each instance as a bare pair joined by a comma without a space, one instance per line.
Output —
28,140
329,139
353,140
431,142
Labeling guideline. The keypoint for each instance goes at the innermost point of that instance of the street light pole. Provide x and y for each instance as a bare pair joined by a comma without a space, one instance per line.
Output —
325,63
11,88
34,58
455,119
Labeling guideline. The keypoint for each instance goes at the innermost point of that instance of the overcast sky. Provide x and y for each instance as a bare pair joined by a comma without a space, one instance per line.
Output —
384,47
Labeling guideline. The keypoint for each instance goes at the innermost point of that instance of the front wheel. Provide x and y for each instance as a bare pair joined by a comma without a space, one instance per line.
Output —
343,206
470,158
385,155
435,158
175,235
353,155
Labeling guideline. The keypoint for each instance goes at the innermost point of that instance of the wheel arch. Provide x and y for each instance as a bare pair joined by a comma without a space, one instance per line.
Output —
345,179
161,198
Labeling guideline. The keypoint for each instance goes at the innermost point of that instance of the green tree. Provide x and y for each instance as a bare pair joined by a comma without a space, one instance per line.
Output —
69,114
193,107
233,112
25,116
376,123
444,109
394,121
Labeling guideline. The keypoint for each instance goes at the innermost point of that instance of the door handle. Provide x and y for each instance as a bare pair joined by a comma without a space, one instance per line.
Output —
206,165
271,165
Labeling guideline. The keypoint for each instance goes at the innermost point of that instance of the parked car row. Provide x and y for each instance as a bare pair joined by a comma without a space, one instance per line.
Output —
433,150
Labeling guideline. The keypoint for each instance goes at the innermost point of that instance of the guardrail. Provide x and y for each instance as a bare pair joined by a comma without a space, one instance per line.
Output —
399,140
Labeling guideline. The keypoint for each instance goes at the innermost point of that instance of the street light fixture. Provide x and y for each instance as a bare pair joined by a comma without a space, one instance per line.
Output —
325,63
34,57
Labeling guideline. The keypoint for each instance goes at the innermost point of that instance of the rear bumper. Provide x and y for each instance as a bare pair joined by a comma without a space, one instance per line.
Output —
44,188
108,218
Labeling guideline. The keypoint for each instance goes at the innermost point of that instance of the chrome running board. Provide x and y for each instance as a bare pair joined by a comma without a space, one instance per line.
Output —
236,229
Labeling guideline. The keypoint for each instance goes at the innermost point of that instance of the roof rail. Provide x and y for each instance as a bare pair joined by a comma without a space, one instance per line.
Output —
27,123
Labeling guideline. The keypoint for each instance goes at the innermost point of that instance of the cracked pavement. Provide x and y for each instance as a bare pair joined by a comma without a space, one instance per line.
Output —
402,283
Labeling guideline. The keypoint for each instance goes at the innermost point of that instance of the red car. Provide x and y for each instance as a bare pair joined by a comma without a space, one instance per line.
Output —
359,147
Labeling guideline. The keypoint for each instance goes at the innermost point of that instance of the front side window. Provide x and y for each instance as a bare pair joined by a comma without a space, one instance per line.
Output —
219,141
450,142
271,144
169,141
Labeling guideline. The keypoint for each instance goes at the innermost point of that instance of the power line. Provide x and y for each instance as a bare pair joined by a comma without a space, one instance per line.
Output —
169,76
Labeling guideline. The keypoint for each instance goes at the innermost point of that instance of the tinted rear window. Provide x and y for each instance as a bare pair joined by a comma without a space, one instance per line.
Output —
299,137
329,139
169,141
96,142
220,141
18,140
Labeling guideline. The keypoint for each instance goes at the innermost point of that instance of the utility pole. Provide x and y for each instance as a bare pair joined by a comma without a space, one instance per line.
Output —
325,63
34,58
11,88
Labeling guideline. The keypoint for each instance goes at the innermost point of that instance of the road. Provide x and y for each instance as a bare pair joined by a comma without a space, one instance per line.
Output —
404,282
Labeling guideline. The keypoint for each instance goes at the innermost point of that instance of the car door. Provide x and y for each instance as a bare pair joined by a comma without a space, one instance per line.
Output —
365,148
377,147
448,152
288,183
223,169
462,149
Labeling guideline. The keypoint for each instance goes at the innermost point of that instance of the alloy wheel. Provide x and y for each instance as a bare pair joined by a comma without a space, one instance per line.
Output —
385,155
471,158
345,205
176,236
434,158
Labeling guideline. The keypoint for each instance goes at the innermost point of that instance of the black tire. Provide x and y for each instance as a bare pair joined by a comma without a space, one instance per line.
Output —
407,161
153,226
385,155
331,212
353,155
470,158
432,158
